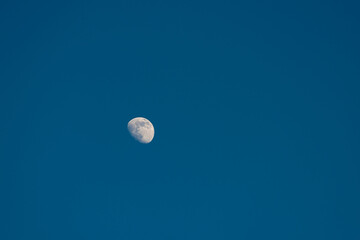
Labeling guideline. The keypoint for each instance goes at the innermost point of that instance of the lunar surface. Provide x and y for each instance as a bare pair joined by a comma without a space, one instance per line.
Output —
141,129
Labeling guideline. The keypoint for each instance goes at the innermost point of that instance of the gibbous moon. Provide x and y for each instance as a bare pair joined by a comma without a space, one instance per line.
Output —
141,129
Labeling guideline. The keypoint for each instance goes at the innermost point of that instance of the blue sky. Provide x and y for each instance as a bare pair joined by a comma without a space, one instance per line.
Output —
255,107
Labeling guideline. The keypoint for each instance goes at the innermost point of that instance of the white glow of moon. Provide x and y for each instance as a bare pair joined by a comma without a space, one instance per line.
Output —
141,129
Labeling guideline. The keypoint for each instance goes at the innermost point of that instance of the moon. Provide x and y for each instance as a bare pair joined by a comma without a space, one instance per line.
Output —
141,129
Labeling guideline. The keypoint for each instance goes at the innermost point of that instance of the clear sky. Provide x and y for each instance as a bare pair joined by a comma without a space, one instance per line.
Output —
255,106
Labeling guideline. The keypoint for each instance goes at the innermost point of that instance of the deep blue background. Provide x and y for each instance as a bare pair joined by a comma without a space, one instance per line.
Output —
255,107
